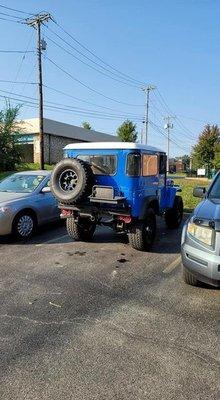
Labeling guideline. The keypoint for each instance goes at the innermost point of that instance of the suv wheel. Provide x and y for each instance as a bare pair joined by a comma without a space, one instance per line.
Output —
24,225
142,234
189,278
81,230
71,180
174,216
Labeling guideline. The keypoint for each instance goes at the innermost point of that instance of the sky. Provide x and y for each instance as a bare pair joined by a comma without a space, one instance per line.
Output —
171,44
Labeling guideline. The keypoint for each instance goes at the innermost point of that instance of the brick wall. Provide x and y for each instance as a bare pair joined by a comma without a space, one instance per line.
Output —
53,148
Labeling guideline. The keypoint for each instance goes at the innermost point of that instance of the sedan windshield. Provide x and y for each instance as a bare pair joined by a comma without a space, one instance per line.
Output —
21,183
215,190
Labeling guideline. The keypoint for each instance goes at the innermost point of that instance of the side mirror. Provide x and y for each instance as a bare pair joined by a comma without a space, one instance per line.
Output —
46,189
199,192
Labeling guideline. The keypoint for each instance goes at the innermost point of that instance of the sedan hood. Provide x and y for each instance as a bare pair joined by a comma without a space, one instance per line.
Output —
7,197
208,210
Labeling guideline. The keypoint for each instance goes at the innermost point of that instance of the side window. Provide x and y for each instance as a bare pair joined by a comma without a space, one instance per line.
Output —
149,164
163,164
133,167
101,164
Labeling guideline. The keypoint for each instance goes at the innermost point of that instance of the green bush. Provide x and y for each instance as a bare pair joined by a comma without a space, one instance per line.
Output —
9,133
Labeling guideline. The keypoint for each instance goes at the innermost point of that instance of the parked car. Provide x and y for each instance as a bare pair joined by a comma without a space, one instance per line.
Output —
201,238
121,185
25,203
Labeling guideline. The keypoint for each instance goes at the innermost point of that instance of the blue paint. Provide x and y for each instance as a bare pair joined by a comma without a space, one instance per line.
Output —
134,189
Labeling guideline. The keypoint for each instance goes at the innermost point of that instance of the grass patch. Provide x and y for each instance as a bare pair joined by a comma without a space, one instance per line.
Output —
187,186
25,167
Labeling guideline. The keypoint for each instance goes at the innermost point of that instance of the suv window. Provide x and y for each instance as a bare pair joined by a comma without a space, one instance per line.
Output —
163,164
215,191
133,167
101,164
149,165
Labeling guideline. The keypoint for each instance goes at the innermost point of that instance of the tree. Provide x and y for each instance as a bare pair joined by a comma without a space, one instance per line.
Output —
127,131
86,125
204,151
9,133
217,156
186,161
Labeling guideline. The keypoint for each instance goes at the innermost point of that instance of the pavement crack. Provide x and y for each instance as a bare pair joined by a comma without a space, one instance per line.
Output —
40,322
208,359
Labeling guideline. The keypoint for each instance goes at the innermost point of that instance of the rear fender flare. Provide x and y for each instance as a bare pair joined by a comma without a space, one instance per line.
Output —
149,202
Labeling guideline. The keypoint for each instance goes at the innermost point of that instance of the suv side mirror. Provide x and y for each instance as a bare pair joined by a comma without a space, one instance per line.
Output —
199,192
46,189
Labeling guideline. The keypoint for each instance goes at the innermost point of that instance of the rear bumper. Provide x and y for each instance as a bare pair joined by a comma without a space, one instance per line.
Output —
95,209
203,265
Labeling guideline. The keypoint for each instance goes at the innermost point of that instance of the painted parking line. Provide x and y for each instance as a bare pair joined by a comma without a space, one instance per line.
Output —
172,266
54,240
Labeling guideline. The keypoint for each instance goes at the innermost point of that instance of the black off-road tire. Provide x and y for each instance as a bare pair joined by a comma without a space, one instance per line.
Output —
174,216
71,180
142,234
82,230
189,278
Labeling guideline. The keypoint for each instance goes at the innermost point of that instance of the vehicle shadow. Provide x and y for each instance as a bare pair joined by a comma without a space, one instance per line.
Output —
167,241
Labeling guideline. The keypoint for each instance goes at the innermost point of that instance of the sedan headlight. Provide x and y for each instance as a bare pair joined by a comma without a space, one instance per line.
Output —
201,233
5,209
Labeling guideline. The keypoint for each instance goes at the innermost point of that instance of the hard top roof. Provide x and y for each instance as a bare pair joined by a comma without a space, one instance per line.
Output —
112,146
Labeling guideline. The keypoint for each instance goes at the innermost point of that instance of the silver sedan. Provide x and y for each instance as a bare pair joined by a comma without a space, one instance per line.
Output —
25,203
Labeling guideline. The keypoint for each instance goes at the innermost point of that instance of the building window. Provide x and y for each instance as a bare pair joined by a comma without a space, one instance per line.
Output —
149,165
101,164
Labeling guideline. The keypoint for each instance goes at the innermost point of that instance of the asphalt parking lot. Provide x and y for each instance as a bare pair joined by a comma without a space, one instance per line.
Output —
103,321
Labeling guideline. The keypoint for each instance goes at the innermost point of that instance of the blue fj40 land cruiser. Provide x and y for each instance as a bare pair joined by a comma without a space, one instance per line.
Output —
122,185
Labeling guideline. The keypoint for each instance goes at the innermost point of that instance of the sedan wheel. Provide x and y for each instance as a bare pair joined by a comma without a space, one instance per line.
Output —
24,226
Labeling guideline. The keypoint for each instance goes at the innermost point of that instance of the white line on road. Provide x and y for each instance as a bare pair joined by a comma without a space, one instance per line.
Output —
54,240
172,266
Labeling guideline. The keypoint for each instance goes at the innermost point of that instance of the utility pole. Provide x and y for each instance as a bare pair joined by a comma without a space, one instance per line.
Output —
190,158
168,126
41,45
147,90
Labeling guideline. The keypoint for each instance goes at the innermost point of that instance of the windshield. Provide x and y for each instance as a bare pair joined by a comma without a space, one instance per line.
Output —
215,190
21,183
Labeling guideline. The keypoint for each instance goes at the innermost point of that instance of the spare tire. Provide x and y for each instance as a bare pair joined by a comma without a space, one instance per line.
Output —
71,180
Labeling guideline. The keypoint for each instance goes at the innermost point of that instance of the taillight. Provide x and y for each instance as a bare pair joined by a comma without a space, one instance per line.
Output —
125,218
65,213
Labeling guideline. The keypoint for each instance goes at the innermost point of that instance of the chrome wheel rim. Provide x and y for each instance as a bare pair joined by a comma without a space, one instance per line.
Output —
25,225
68,180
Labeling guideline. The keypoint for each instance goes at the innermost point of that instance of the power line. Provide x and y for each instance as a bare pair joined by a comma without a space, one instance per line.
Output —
22,61
97,57
178,121
88,87
81,100
73,108
11,16
158,129
20,82
16,51
13,9
11,20
61,109
88,58
88,65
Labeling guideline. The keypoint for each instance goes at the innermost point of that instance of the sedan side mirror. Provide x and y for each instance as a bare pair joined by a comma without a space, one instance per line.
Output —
46,189
199,192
